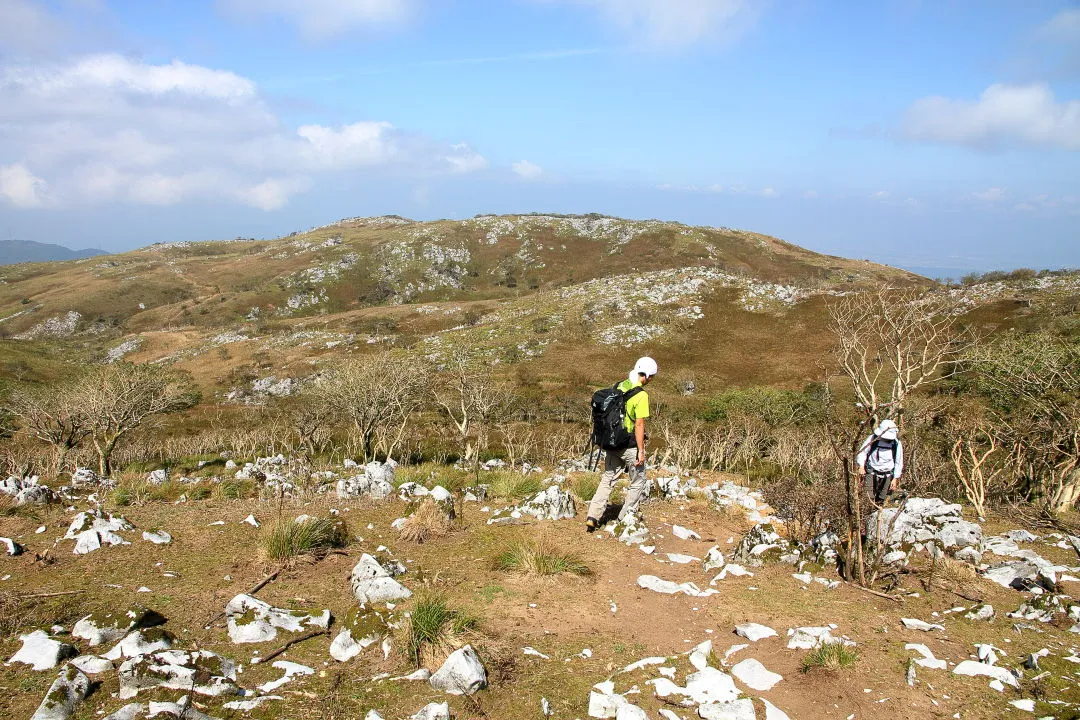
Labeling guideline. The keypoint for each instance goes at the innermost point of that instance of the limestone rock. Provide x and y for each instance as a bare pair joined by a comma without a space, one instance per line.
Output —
372,584
762,543
808,638
915,624
714,559
754,675
92,664
99,628
604,702
461,674
926,522
199,671
754,632
981,612
684,533
972,669
927,660
433,711
11,547
361,629
667,587
65,694
735,710
141,642
92,530
41,652
554,503
158,538
376,482
158,477
630,712
251,620
289,671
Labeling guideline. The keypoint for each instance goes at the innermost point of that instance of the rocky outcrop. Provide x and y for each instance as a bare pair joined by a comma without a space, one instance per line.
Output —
251,620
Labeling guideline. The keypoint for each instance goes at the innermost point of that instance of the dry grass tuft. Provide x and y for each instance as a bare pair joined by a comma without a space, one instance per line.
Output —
428,521
952,574
288,540
540,558
512,485
584,485
830,656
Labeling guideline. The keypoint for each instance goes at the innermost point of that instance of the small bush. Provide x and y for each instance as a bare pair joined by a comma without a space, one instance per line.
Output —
435,630
429,520
540,558
120,496
509,484
200,492
314,536
830,656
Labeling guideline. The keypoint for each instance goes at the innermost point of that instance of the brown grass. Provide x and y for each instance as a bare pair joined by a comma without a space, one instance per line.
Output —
427,522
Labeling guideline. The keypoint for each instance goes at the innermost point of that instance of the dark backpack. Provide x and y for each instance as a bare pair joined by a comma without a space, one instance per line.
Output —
608,412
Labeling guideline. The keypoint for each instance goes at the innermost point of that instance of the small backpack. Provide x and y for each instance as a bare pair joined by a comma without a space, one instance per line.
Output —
608,412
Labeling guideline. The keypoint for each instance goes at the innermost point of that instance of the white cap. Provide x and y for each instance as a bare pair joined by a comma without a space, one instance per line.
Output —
645,366
887,430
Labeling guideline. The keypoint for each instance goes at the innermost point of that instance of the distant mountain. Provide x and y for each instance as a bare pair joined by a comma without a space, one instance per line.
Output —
20,251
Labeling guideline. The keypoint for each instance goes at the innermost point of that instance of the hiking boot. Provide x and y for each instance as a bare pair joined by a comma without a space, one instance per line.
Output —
591,524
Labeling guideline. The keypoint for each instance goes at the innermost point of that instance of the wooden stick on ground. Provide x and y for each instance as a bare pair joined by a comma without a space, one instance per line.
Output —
289,644
877,593
251,591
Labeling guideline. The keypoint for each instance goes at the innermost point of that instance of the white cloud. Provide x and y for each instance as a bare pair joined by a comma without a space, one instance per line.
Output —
880,195
326,18
527,170
22,188
1063,27
677,23
990,195
768,192
107,128
1004,115
27,27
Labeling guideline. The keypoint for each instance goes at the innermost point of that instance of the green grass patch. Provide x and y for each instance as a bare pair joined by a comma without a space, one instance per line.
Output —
830,656
540,558
235,489
509,484
584,485
315,536
434,628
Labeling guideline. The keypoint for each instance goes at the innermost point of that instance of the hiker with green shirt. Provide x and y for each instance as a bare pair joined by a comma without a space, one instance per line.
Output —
630,458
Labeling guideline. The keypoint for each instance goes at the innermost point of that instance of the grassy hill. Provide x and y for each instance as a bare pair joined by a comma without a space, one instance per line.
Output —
518,286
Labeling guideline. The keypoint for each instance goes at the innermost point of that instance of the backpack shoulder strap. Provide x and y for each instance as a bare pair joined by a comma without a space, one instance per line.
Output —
632,392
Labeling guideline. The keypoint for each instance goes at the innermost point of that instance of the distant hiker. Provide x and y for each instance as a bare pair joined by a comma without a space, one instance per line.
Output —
882,458
619,429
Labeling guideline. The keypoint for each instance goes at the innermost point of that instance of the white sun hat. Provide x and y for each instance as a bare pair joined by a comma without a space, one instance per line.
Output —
646,366
887,430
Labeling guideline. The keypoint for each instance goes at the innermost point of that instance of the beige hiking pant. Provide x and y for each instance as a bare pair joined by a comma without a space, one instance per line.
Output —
615,460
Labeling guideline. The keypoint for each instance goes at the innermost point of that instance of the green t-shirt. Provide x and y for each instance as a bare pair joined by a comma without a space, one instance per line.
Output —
636,407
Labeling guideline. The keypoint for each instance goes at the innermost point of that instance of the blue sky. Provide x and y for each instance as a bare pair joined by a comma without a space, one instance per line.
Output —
926,134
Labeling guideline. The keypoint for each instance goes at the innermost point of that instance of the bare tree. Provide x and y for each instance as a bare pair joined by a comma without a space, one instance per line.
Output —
974,453
53,415
122,396
1033,383
889,343
474,400
378,394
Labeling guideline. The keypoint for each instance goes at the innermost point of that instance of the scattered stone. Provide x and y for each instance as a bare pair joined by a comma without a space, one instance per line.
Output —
731,569
808,638
92,664
667,587
41,652
141,642
972,669
12,548
772,712
603,700
250,520
158,538
914,624
373,584
251,620
290,669
735,710
433,711
754,632
926,522
754,675
199,671
680,559
927,660
422,674
535,653
714,559
759,545
1027,704
377,482
461,674
361,629
629,711
684,533
1021,536
554,503
101,628
158,477
92,530
981,612
249,705
805,578
65,694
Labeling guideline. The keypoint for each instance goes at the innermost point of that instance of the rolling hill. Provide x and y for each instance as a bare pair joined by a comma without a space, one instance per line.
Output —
21,251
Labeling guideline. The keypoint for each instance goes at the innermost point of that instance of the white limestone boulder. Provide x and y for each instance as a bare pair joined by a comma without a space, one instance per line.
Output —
41,652
461,674
64,696
372,584
251,620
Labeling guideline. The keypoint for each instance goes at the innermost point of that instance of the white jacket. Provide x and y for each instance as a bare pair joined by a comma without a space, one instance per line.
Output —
879,459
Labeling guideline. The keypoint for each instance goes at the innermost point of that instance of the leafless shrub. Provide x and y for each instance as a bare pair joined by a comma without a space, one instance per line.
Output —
427,521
